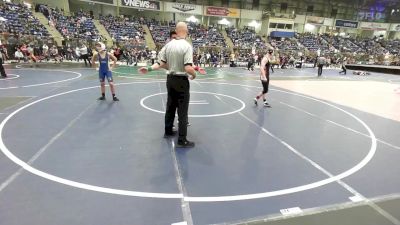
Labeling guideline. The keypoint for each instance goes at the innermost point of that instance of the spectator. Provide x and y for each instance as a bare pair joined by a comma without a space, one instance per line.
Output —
54,54
77,53
153,56
18,56
84,54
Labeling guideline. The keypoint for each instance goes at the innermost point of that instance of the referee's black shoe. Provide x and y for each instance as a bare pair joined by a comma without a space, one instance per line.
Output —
185,144
170,133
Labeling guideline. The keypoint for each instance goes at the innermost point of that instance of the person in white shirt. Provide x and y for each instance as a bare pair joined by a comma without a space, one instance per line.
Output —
54,54
85,55
77,53
255,58
45,51
153,56
208,59
18,55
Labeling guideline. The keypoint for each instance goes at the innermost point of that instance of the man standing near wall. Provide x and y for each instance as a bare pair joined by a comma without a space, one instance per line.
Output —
2,59
321,61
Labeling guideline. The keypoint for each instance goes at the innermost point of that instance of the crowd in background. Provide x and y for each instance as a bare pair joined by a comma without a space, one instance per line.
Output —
18,19
122,29
245,38
80,25
23,34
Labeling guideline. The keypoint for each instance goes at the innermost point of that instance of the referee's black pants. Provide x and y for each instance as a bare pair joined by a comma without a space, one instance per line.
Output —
344,70
86,57
2,71
178,99
320,69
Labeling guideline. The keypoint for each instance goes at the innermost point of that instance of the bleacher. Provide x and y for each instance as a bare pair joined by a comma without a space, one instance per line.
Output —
123,29
160,32
370,47
203,36
245,38
19,20
79,26
393,46
315,43
343,44
288,45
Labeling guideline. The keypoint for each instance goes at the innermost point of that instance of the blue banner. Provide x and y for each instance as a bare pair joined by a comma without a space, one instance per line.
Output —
346,23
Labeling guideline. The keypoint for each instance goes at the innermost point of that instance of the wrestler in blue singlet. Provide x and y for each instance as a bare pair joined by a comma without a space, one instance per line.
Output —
104,70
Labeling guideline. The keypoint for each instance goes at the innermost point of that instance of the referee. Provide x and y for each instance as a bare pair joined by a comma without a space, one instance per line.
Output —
177,58
2,59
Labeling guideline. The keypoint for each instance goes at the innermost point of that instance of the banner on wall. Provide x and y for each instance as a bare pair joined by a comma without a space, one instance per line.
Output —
142,4
395,27
346,23
372,16
315,20
374,26
220,11
183,8
250,14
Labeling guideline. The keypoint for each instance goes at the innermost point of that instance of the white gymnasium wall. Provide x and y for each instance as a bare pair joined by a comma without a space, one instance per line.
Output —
214,20
300,19
246,23
158,15
348,30
381,33
108,10
184,16
76,6
299,28
251,14
367,33
264,27
311,28
329,22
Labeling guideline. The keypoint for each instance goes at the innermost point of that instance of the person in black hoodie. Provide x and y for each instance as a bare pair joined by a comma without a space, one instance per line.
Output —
250,63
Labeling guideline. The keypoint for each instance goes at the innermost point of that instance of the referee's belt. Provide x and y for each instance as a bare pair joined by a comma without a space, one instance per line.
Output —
179,74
